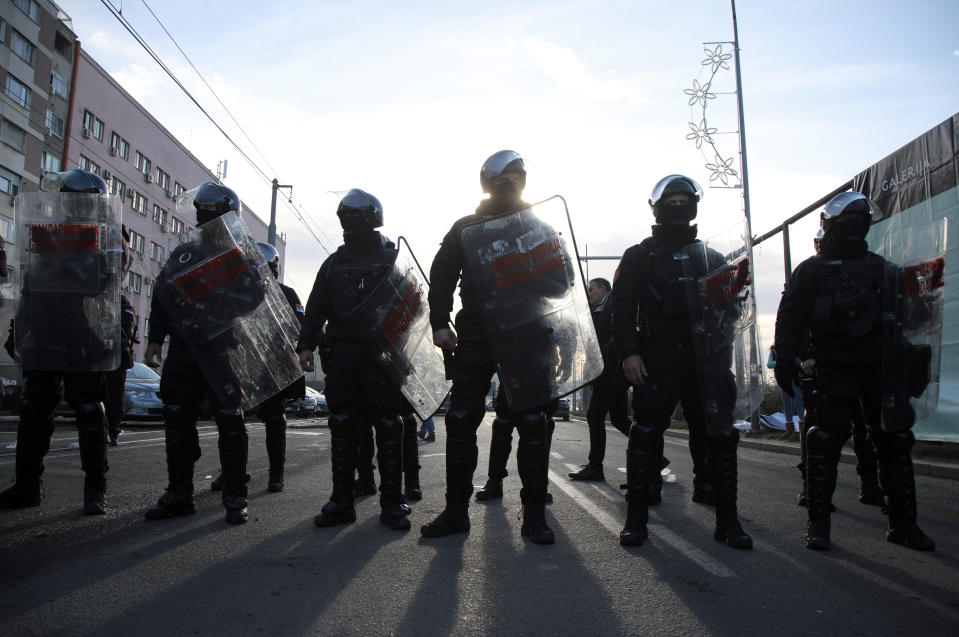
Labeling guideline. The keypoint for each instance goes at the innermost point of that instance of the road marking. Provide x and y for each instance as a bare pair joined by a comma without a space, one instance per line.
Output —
691,552
431,455
305,433
558,456
606,492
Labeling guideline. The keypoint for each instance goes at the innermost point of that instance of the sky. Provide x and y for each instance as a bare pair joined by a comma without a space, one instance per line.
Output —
406,100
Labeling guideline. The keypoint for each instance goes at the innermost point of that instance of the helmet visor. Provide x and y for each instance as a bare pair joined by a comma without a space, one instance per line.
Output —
675,184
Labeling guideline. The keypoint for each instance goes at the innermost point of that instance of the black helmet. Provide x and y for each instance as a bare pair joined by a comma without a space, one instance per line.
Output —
848,215
504,161
75,180
272,257
675,185
359,211
213,200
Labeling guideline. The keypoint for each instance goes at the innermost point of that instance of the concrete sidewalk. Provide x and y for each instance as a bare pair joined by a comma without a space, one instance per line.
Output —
926,467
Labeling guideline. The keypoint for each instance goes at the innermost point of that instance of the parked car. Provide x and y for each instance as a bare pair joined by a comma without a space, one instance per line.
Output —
141,396
313,404
563,410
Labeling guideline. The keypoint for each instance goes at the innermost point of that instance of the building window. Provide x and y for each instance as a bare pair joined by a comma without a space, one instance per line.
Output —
59,86
159,215
136,241
98,129
63,45
117,187
29,7
18,91
156,251
136,282
3,30
141,162
54,124
9,182
178,226
163,179
13,136
119,146
49,163
22,47
178,188
140,203
150,288
83,163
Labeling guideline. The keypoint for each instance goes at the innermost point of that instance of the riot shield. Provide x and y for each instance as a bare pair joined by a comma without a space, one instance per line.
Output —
912,299
725,337
70,256
231,313
398,319
538,324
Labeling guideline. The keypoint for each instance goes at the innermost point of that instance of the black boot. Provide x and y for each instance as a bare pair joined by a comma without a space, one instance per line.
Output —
453,519
501,443
822,455
899,483
532,457
276,451
723,464
233,445
642,460
411,459
389,445
33,442
180,455
340,510
92,433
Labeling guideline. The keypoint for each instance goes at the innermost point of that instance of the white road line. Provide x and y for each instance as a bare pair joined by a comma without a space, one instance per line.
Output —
431,455
602,488
558,456
305,433
613,526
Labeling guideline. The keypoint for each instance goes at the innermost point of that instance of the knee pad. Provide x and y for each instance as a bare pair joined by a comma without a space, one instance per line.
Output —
502,427
725,439
534,425
391,426
340,421
459,419
902,441
31,411
177,416
229,420
643,435
90,412
823,441
275,423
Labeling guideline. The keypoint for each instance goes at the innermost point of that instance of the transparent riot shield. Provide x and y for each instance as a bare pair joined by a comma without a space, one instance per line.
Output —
231,313
8,299
398,319
70,258
524,272
913,297
724,332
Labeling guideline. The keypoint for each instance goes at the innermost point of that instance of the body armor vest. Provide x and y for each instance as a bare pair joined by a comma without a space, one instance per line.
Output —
663,298
351,279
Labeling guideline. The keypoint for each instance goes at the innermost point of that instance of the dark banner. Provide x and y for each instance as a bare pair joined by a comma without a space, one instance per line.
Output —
923,168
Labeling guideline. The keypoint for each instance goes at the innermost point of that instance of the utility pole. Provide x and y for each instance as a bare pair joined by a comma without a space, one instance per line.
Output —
271,233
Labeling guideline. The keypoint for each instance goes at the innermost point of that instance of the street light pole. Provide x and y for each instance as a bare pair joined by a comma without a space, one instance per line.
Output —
271,233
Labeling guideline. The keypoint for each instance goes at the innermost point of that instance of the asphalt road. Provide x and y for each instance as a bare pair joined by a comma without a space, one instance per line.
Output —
63,573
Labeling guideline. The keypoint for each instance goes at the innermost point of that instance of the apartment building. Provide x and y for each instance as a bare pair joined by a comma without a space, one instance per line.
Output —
60,110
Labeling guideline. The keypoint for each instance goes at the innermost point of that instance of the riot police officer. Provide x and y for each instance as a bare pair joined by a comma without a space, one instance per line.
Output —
357,387
661,362
272,411
835,299
56,339
472,365
193,359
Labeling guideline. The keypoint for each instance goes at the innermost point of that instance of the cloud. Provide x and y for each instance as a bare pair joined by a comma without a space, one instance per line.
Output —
562,66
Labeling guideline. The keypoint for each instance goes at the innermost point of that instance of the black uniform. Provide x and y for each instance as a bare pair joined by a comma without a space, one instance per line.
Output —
651,292
184,386
608,391
357,387
835,298
116,379
471,368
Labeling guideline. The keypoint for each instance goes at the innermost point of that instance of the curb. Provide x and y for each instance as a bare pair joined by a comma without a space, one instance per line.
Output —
944,470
